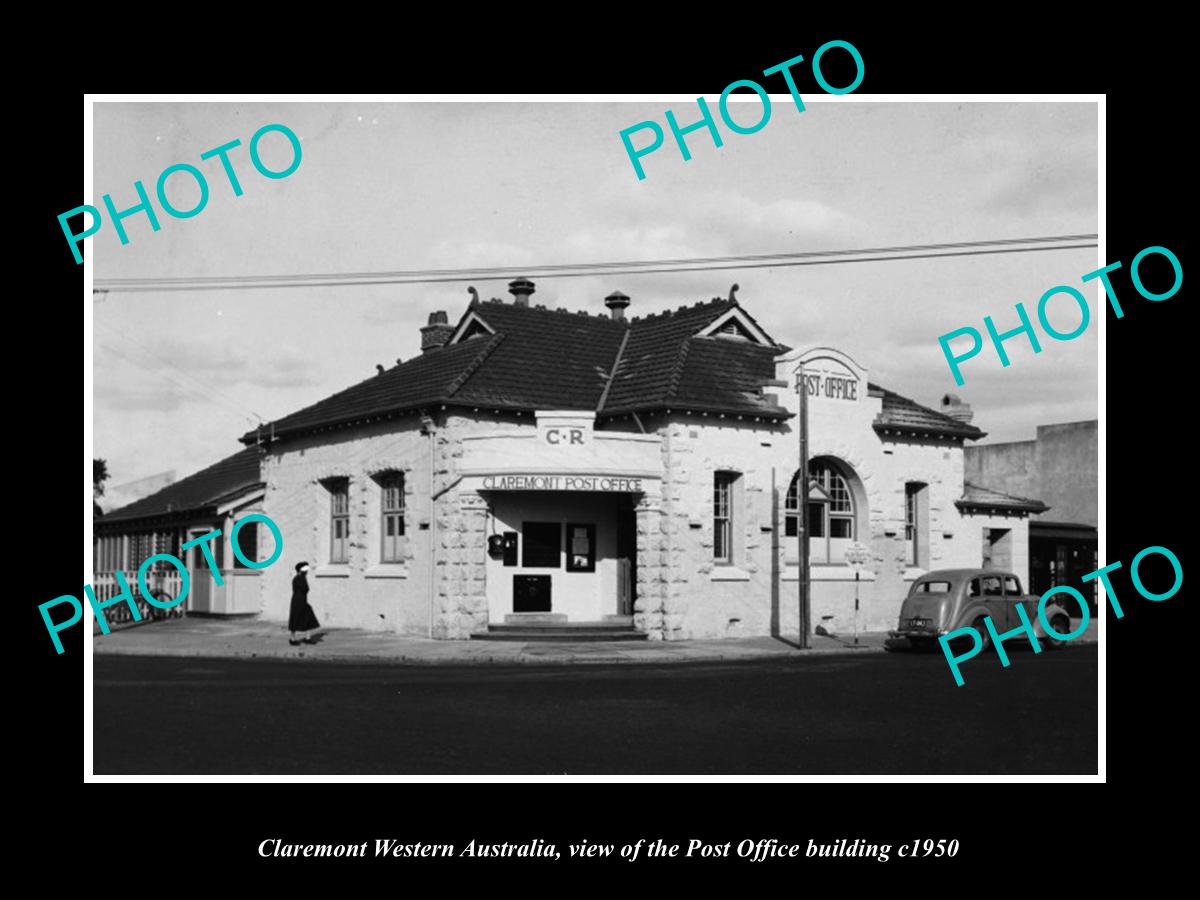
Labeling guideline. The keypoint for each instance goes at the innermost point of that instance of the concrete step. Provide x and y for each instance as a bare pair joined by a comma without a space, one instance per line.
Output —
535,618
560,627
581,635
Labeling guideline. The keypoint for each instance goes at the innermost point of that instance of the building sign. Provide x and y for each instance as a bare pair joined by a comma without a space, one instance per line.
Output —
563,435
533,482
829,375
831,385
564,429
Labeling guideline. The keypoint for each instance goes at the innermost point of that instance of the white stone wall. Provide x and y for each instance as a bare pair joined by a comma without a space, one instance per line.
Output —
442,587
363,593
706,600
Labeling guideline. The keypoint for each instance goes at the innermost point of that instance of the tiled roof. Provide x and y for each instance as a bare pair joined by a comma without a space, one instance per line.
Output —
198,493
663,364
901,414
425,379
554,359
549,359
978,497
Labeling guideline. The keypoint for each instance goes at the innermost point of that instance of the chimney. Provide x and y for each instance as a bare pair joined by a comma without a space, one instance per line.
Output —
953,407
521,288
436,333
616,302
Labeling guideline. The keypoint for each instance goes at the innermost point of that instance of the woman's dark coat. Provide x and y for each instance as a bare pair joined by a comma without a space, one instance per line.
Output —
302,617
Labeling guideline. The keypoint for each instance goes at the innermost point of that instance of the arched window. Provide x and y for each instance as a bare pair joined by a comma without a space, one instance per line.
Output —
831,513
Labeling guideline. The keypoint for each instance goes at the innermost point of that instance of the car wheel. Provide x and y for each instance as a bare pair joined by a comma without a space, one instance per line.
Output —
983,633
1062,625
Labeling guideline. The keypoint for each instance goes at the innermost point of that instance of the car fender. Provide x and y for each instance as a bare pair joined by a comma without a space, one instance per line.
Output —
967,616
1051,610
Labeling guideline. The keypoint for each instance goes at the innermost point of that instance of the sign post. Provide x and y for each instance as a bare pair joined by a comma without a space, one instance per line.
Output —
802,512
857,556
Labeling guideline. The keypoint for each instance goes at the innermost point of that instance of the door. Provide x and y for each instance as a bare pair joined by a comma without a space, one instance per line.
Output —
200,595
531,593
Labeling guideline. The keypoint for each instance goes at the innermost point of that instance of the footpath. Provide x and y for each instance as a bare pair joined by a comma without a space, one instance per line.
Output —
253,639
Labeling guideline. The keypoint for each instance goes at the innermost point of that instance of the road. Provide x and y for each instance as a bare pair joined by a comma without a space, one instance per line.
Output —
845,714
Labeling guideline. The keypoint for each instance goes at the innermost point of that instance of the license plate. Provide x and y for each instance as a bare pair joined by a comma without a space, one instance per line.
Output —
918,623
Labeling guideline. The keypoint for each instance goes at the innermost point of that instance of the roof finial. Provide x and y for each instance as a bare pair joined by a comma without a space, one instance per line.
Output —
474,295
733,293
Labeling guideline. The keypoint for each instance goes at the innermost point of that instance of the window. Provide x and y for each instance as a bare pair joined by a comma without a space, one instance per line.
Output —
791,508
916,523
723,516
247,540
542,545
1012,585
991,586
392,509
831,516
339,519
932,587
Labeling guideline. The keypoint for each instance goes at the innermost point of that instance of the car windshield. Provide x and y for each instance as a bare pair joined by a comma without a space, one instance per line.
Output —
931,587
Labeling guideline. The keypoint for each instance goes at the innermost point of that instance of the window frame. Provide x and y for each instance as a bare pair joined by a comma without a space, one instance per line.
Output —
339,489
723,516
916,524
827,475
392,511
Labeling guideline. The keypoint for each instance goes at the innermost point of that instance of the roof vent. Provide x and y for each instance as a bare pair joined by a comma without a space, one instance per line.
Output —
617,303
521,289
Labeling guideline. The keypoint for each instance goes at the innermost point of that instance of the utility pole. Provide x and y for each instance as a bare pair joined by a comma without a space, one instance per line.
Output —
802,512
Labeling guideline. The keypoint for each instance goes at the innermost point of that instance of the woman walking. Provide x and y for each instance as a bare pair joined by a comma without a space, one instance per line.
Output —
301,619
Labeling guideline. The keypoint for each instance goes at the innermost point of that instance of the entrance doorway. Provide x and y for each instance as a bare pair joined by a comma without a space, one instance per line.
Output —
568,553
626,555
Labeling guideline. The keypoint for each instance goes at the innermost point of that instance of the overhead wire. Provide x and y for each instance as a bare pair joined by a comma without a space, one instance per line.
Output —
1040,243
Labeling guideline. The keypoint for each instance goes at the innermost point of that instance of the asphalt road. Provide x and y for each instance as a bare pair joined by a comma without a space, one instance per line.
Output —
876,713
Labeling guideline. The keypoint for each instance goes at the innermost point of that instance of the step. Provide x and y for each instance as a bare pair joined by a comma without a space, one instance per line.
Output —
580,635
624,620
560,627
535,618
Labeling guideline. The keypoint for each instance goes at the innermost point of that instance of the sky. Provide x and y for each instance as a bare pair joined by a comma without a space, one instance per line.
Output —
383,186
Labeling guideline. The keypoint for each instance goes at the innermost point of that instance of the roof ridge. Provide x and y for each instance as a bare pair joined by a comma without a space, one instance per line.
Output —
613,374
677,373
473,367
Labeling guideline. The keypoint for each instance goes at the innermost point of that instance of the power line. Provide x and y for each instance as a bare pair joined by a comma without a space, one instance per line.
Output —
208,390
187,388
629,267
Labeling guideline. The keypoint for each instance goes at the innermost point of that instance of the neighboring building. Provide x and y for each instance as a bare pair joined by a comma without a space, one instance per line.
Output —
120,495
544,461
213,498
1060,466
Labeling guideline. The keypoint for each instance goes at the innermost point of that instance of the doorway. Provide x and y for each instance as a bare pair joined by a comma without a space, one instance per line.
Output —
626,554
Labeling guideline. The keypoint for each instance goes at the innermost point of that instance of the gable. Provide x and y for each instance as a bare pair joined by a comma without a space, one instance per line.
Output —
736,324
472,325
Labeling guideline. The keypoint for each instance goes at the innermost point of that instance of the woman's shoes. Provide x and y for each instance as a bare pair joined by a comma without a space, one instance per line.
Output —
295,643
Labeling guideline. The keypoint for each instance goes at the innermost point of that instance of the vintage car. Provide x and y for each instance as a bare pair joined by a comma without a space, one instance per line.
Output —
947,599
